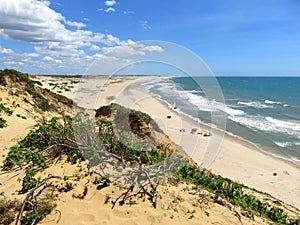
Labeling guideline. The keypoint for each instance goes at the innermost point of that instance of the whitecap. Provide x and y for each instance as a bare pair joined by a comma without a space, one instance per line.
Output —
286,144
202,103
283,144
258,105
268,124
292,125
272,102
295,159
225,108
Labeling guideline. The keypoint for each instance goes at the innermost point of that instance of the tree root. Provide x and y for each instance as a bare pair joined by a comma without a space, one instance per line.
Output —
31,196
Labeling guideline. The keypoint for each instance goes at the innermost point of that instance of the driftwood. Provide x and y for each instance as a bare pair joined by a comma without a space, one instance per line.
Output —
30,196
142,187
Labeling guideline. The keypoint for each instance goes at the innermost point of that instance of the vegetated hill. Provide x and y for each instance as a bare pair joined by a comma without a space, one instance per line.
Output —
18,85
137,127
46,172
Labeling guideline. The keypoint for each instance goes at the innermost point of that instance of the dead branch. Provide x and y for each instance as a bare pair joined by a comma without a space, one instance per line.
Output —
30,196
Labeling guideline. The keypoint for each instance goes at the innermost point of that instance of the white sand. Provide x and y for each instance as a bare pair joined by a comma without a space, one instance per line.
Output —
236,160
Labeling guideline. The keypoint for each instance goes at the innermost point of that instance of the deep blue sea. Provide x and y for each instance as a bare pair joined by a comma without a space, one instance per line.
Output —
262,110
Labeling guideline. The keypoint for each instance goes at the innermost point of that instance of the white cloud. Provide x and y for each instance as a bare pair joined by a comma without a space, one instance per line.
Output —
131,48
110,2
152,48
57,46
75,24
110,9
14,63
5,50
32,55
145,25
95,48
122,51
48,58
109,40
128,12
34,21
98,37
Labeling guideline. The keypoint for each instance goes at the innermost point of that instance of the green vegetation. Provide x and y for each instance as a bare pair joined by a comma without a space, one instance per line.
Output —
130,145
8,209
40,209
40,101
6,110
123,116
39,95
65,86
30,217
68,186
52,139
102,181
16,76
122,146
19,156
48,141
3,123
29,181
233,192
29,84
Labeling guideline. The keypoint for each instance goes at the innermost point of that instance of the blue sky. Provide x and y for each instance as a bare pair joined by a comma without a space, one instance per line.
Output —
233,37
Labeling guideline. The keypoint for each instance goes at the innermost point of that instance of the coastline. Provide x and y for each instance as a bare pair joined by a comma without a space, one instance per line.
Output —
247,143
237,159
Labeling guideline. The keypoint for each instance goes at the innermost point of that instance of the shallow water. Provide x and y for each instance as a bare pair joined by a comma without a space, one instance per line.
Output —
263,110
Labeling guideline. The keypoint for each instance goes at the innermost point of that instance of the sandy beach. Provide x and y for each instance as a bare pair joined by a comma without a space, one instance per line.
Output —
181,204
236,159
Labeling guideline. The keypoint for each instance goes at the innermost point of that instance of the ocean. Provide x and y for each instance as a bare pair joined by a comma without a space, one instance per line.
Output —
261,110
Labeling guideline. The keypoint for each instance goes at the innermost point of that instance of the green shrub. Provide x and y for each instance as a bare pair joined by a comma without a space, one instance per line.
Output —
5,109
40,101
233,192
3,123
29,181
29,217
51,135
8,209
42,207
122,146
17,156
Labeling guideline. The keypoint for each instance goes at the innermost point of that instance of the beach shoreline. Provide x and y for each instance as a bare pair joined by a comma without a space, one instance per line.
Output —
236,158
241,140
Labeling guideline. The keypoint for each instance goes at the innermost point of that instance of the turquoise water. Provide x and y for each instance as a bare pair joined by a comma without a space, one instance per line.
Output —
263,110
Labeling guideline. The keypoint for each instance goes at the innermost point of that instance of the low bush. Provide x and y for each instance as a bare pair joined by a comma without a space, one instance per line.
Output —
233,192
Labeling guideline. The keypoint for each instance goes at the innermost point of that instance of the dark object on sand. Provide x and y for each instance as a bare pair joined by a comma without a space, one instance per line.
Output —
274,174
207,134
169,117
194,130
174,105
181,130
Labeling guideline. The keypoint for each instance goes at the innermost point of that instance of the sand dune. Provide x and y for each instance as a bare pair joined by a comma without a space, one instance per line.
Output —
180,204
236,159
